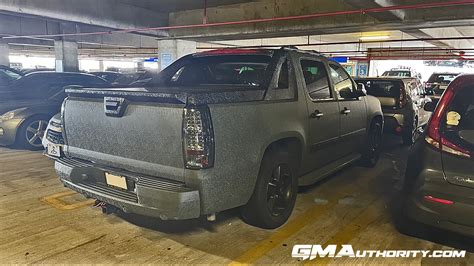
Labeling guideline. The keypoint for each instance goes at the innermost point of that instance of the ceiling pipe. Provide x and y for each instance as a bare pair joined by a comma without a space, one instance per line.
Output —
263,20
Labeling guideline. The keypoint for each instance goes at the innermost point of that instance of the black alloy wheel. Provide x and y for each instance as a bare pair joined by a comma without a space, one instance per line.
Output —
279,190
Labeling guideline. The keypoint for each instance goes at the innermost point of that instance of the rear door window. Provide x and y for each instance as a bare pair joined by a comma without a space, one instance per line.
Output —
316,79
341,79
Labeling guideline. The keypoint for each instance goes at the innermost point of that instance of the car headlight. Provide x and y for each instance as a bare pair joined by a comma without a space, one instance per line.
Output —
10,115
7,116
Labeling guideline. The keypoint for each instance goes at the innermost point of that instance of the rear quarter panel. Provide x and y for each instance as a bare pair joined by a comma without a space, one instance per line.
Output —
242,134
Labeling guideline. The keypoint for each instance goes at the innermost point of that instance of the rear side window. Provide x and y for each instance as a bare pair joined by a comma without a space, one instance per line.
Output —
284,78
459,120
316,79
382,88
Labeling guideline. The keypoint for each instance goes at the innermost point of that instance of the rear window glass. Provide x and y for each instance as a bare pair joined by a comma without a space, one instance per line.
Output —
459,120
442,78
247,70
382,88
396,73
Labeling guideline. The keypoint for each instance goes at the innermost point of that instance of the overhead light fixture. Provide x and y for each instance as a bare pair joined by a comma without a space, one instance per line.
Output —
374,38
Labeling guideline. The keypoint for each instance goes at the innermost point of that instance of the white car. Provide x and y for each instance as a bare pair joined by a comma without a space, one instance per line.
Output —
53,138
402,73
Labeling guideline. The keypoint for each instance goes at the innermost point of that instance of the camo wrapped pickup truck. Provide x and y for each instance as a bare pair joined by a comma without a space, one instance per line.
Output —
218,130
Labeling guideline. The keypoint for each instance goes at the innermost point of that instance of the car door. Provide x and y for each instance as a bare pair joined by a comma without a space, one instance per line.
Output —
353,111
323,112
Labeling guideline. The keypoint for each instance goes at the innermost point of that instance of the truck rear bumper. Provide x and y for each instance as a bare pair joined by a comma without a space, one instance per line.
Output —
150,196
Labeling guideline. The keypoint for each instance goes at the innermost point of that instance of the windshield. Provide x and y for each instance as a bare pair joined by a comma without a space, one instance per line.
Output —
47,85
234,70
397,73
7,76
442,78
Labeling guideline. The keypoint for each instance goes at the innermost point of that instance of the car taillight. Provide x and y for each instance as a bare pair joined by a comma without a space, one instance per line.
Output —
198,137
435,135
403,98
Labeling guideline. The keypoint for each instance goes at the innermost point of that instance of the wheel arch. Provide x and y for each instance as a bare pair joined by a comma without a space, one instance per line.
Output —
292,143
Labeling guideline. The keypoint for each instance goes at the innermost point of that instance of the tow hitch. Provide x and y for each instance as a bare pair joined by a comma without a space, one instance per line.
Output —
106,208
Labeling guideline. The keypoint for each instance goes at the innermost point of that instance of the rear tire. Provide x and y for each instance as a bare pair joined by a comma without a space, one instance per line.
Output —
274,196
372,148
30,133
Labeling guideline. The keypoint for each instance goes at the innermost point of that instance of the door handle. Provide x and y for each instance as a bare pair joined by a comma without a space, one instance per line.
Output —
317,114
346,111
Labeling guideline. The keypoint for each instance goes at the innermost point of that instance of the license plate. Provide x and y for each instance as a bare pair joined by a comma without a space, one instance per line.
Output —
54,150
116,180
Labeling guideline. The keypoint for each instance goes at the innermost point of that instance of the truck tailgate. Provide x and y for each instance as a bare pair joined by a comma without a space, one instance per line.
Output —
145,139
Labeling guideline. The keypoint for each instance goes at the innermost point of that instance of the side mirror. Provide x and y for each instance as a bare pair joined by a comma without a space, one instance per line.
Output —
361,91
430,106
347,93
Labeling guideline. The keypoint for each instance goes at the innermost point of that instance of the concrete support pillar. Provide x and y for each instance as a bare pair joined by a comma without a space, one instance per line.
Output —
171,50
4,54
101,65
67,59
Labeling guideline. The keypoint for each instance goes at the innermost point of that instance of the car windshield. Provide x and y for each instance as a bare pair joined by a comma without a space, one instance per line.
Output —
397,73
10,73
442,78
233,70
7,76
382,88
46,85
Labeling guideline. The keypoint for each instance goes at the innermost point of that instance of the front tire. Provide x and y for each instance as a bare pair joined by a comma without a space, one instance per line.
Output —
31,132
274,196
372,148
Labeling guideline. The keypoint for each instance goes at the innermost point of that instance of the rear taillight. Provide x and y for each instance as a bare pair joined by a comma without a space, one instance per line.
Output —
438,200
198,138
402,101
435,135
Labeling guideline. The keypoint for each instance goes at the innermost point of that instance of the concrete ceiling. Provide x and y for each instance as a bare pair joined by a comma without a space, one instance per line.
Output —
167,6
30,17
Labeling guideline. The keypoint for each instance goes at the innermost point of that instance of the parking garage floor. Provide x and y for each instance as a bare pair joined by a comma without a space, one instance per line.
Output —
43,222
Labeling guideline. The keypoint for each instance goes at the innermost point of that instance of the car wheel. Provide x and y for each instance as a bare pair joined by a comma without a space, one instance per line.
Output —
410,133
274,196
373,145
31,132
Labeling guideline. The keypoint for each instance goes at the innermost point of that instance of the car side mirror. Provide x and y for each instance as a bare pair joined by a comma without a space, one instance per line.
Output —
430,106
361,91
347,93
